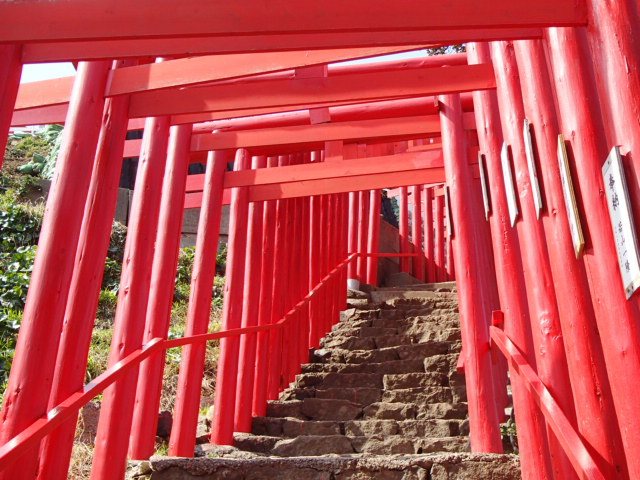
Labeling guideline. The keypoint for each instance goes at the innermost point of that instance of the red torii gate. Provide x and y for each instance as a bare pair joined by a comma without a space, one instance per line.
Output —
572,68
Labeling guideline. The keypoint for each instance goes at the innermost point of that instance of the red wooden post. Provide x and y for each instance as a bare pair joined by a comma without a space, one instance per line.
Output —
475,291
116,413
363,231
450,260
594,407
545,322
416,233
615,50
509,276
581,122
222,428
277,309
266,304
354,214
71,363
185,417
405,245
165,264
250,311
315,275
29,386
439,253
429,235
373,245
10,72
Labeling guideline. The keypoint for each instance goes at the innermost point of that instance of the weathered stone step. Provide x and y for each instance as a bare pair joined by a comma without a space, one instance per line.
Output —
315,409
401,352
339,379
411,428
393,366
305,445
444,466
415,380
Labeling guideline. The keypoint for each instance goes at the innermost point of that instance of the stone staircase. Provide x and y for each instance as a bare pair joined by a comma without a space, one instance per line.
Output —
381,399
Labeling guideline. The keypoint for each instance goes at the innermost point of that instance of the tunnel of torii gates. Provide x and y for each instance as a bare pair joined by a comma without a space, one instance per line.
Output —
533,132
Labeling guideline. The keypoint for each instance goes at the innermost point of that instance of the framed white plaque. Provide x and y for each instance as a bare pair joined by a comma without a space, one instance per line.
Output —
486,199
531,163
509,187
447,206
622,221
570,198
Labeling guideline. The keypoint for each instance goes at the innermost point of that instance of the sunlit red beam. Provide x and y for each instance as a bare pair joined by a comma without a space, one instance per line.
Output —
197,70
24,22
167,47
303,91
334,185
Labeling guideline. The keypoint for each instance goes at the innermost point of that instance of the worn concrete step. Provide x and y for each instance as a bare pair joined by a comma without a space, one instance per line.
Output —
433,287
225,464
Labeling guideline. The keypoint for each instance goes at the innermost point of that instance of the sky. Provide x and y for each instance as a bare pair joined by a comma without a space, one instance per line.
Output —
46,71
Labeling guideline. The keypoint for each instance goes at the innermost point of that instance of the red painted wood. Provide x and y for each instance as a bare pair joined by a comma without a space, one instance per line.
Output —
315,135
403,222
543,308
579,454
594,404
259,407
278,308
192,71
118,401
224,406
324,170
416,233
439,253
250,311
354,212
509,275
363,233
429,235
81,306
302,92
582,123
476,292
615,52
373,240
158,317
83,19
10,72
185,418
54,265
36,52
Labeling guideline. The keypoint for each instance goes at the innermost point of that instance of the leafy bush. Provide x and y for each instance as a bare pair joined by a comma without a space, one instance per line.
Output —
15,275
40,149
19,225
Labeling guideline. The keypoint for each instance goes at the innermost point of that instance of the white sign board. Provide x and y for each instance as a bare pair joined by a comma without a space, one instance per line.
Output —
508,184
486,199
531,163
570,198
622,221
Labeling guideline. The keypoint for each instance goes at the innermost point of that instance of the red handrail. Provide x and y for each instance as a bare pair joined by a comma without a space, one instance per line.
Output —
569,438
26,440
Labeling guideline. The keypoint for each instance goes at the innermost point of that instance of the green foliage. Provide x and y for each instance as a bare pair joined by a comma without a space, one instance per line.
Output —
39,150
510,433
15,275
115,255
447,49
19,224
9,326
